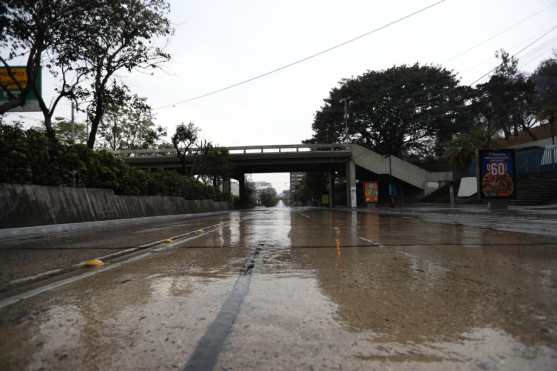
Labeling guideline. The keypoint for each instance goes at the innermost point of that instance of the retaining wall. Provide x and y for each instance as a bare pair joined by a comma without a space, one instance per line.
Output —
29,205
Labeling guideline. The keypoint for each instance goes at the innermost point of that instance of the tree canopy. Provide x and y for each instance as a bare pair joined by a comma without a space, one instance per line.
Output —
128,122
199,157
268,197
506,101
82,44
422,111
545,83
404,110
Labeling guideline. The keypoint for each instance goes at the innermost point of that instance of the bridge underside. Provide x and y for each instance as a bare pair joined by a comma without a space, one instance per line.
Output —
328,162
287,166
347,160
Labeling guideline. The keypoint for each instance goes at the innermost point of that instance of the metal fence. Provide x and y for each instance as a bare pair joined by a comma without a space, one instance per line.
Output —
536,160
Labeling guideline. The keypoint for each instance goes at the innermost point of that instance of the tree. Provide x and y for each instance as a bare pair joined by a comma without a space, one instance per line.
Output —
120,36
77,40
70,133
545,82
404,110
463,147
505,102
210,162
200,158
184,141
30,28
128,122
268,197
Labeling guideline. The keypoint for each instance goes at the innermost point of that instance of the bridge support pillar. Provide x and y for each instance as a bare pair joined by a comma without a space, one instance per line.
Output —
331,181
226,185
242,189
351,198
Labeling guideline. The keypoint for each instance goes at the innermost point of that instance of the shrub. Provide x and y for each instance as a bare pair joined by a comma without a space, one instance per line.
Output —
29,157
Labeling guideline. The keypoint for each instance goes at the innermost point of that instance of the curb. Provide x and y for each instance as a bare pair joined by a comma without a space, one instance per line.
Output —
526,223
7,234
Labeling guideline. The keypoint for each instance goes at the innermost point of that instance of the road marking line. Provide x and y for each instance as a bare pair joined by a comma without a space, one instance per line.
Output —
31,293
35,276
34,292
112,255
374,243
153,243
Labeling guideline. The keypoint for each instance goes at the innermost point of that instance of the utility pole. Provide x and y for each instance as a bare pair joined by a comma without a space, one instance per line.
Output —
552,123
347,102
73,122
391,186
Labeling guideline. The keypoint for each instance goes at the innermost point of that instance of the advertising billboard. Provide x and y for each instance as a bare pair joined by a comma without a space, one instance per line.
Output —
12,80
371,192
497,174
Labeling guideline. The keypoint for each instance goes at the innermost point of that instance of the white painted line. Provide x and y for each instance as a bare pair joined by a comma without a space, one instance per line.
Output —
39,290
117,253
29,278
154,243
31,293
374,243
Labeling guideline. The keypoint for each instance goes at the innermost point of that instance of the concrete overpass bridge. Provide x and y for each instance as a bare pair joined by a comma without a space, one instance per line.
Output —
352,161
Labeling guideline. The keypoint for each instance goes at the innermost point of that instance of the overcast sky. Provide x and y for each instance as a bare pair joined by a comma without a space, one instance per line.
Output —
218,42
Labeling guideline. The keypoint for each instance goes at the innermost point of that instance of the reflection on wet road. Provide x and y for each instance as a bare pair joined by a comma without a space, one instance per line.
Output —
304,289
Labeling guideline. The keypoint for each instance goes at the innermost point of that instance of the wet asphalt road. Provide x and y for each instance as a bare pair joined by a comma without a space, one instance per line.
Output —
289,289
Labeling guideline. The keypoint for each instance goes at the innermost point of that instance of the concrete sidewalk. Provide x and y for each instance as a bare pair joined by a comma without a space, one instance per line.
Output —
540,220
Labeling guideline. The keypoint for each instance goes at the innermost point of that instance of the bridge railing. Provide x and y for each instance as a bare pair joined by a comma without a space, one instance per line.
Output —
238,150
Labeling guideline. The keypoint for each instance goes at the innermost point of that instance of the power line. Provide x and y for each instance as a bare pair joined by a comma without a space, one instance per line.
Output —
549,43
479,66
532,43
336,46
504,31
537,55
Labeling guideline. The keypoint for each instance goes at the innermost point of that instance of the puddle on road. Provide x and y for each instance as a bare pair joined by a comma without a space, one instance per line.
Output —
289,322
428,297
128,318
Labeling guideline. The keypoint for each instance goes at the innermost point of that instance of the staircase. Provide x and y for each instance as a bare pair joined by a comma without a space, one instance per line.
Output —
536,189
400,169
